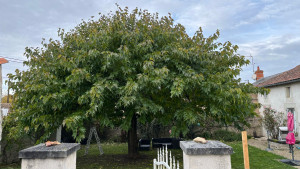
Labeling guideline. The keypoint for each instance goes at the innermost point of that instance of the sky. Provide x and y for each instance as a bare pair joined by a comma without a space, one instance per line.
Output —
267,30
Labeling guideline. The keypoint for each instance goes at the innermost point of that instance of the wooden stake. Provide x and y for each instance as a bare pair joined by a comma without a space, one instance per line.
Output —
245,150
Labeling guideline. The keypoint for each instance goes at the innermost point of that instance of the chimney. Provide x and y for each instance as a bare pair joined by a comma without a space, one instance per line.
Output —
259,73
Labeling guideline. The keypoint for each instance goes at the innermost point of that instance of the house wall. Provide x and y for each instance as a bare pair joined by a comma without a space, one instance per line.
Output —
5,108
277,99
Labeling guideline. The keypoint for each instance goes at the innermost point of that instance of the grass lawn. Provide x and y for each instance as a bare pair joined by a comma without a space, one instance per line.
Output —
259,159
115,156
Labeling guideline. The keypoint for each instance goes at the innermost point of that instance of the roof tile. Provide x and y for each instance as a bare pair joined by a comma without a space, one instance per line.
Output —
2,61
286,76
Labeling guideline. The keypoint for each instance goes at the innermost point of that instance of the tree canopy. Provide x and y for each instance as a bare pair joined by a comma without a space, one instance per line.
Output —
128,65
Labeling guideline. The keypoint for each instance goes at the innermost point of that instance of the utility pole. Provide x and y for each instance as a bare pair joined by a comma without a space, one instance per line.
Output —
252,62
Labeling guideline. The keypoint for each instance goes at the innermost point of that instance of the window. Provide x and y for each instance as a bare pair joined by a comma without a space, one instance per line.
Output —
288,92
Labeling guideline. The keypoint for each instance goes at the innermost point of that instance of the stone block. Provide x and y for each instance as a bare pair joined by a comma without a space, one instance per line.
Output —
212,155
54,157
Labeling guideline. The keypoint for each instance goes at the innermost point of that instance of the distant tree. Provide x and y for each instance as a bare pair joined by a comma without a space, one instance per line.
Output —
128,67
4,99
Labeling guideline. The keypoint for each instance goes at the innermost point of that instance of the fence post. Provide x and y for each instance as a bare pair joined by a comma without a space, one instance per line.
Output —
245,150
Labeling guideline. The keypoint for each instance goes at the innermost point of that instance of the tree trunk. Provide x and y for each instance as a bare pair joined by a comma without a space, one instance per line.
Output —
132,138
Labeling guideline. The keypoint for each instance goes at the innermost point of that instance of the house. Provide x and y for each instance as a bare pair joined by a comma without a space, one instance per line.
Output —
5,108
284,93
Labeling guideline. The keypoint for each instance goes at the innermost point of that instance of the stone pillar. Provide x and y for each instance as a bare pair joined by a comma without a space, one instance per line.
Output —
54,157
212,155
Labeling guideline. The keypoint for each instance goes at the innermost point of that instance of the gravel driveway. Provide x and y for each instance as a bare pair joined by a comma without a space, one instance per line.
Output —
279,149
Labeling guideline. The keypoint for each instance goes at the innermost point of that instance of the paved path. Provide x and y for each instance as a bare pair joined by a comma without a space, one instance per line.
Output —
279,149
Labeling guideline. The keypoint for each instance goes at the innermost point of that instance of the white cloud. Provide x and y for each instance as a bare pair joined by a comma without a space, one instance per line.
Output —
279,10
268,29
272,48
273,54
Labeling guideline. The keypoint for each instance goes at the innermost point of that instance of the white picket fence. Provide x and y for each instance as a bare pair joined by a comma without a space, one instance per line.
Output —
162,161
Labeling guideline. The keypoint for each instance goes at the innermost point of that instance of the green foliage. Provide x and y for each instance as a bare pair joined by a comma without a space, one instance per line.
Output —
123,63
10,147
204,128
272,120
227,136
221,135
153,129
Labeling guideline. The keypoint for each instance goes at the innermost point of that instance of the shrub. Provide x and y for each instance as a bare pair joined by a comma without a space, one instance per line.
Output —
272,120
226,135
222,135
10,147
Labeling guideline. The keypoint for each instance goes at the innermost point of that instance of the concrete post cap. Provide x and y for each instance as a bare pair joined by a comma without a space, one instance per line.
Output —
40,151
210,148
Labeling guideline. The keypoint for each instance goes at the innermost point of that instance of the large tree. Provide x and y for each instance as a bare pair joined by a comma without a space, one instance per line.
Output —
126,67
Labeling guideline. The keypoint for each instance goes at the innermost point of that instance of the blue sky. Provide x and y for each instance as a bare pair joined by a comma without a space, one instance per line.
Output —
269,30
